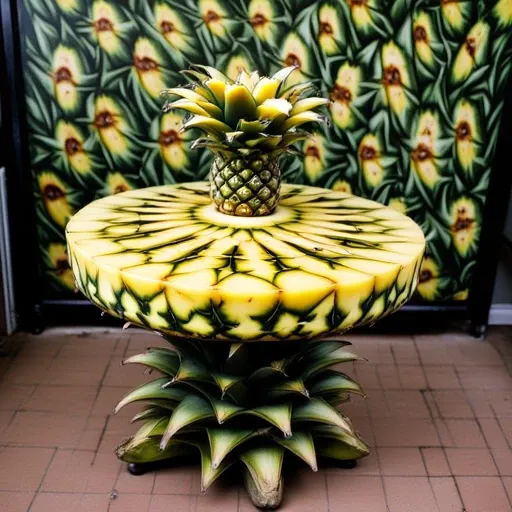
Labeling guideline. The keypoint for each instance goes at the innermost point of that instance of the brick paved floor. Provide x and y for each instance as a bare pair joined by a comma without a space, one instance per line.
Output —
438,418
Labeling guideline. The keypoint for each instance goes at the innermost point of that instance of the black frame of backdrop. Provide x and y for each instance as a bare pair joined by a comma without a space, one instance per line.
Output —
35,313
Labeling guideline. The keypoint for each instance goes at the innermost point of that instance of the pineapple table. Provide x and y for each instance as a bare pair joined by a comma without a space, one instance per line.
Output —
244,302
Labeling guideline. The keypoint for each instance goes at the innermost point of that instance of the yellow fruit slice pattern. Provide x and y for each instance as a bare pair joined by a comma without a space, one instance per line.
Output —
471,52
59,265
343,94
261,16
106,23
71,141
67,75
165,259
423,155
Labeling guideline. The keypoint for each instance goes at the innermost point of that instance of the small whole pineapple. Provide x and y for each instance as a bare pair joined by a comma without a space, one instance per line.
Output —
248,124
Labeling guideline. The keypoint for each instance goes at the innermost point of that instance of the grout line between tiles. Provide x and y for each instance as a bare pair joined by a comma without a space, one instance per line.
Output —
326,487
102,435
36,493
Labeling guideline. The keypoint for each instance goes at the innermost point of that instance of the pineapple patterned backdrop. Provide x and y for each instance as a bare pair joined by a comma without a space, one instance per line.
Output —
416,89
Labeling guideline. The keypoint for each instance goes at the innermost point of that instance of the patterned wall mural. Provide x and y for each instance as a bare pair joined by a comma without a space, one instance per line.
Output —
416,89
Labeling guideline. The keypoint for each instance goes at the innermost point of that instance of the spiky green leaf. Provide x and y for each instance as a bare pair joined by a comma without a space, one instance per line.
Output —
278,414
165,362
191,370
209,473
331,381
302,445
190,410
152,391
148,450
337,443
318,411
224,440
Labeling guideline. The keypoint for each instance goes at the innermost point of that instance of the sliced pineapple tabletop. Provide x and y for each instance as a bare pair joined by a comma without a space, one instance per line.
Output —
165,258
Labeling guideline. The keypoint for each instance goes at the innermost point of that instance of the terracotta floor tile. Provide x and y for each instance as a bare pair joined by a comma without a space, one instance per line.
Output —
471,462
27,371
366,375
493,433
22,469
446,494
405,494
401,462
483,494
406,404
376,349
109,397
500,402
53,502
428,396
5,419
177,480
480,403
435,461
506,427
94,345
69,399
503,459
507,482
460,433
412,377
142,484
432,350
366,466
128,375
365,429
81,472
397,404
404,351
43,429
140,342
91,436
76,371
388,376
12,396
16,501
125,502
218,497
121,426
121,345
441,377
452,404
109,442
42,347
363,493
162,503
485,377
469,353
357,407
405,432
377,376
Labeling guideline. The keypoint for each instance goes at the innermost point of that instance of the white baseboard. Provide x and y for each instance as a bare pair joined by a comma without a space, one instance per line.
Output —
500,314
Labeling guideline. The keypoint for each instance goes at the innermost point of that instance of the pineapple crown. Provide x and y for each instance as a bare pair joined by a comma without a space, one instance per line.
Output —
250,114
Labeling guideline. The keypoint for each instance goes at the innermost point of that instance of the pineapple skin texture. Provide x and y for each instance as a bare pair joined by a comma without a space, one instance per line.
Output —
246,187
164,258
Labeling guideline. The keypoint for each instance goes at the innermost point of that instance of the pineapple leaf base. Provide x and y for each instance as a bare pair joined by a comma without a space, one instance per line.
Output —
245,404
